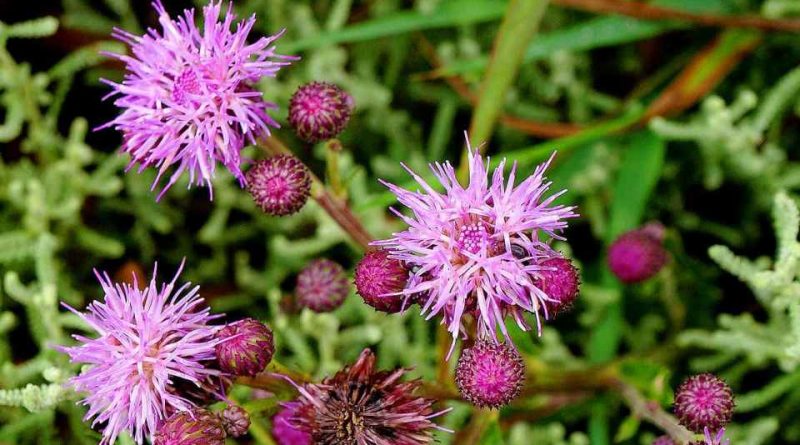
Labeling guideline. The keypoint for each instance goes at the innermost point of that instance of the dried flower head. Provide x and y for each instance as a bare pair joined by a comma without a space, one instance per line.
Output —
285,429
663,440
196,427
637,255
150,340
559,280
380,279
322,286
319,111
489,374
245,347
188,99
478,250
280,185
360,405
235,420
704,401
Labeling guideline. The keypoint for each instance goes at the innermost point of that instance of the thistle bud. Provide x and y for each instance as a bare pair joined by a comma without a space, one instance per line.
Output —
490,374
376,277
559,281
245,347
235,420
321,286
319,111
704,401
637,255
280,185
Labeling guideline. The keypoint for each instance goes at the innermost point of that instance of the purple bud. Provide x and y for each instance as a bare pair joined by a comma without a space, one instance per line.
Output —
321,286
376,276
638,255
235,420
319,111
490,374
559,281
197,427
663,440
246,347
283,429
279,185
702,401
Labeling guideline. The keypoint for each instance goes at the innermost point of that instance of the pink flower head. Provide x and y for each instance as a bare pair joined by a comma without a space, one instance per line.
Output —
378,280
560,281
477,250
638,255
149,341
244,347
322,285
188,97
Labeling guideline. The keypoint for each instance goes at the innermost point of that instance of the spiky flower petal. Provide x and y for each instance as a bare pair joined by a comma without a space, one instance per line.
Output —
150,342
559,280
188,99
713,439
477,250
704,401
489,374
322,286
244,347
319,111
196,427
280,185
379,279
360,405
637,255
235,420
285,429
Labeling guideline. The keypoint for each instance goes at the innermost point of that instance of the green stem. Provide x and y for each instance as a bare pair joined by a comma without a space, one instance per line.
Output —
332,149
519,25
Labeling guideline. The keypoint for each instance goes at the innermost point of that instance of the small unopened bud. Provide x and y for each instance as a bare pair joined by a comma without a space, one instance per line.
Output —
322,286
490,374
376,277
245,347
235,420
319,111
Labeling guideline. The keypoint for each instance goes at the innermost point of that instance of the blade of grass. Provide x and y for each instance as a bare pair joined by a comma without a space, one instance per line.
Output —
519,25
451,13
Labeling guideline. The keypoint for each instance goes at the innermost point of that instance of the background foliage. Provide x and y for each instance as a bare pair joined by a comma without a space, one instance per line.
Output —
689,122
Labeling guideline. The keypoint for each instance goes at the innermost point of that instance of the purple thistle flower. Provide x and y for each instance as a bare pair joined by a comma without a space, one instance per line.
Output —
284,429
638,255
149,342
196,427
490,374
322,286
361,405
478,250
235,420
704,401
280,185
188,97
379,279
319,111
245,347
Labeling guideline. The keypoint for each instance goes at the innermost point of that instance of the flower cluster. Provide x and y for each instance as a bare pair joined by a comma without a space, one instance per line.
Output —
188,98
481,250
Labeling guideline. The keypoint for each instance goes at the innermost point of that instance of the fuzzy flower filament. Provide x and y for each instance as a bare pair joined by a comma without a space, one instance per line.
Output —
188,99
148,342
477,250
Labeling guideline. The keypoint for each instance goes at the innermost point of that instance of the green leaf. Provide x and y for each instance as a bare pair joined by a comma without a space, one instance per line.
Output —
627,429
450,13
